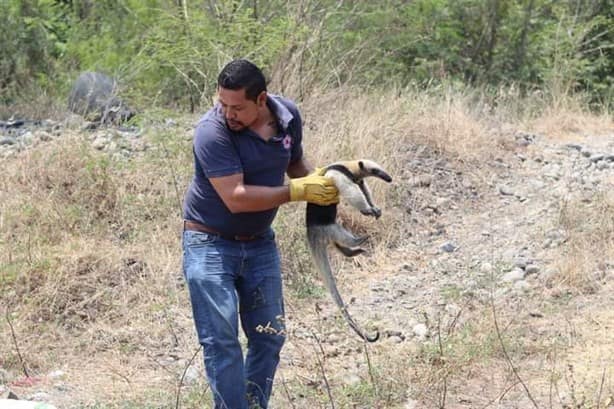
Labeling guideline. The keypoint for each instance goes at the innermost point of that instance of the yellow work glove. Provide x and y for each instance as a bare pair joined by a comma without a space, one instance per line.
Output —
314,188
318,171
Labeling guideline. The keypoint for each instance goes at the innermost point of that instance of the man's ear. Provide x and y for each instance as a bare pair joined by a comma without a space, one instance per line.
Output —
261,99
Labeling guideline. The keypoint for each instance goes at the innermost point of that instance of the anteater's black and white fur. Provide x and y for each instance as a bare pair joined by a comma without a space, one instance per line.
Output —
322,227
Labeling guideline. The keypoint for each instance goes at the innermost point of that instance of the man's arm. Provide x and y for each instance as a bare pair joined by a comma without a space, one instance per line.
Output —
299,168
240,198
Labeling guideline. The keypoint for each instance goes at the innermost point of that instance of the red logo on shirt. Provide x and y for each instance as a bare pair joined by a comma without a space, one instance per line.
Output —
287,141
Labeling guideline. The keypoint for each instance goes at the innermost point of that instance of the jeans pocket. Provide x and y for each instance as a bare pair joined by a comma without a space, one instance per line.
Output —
197,239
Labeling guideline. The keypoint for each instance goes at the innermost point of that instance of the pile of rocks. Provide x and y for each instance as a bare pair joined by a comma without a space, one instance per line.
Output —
21,134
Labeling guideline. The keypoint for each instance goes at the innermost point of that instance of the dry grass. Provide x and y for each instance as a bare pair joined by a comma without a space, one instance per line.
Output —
589,229
90,264
568,121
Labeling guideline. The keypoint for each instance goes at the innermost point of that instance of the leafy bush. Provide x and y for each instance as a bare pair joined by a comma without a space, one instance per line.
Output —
169,53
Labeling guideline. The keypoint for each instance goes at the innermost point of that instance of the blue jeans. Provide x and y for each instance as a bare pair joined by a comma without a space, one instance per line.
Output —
229,280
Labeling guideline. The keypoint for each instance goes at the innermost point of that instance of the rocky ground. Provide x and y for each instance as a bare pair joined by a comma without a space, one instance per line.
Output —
18,135
488,236
475,238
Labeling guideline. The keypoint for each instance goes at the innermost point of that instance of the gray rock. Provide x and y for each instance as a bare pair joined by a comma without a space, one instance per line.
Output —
61,387
505,190
552,171
448,247
602,165
522,285
548,275
8,394
424,180
394,333
442,203
8,141
95,96
377,287
4,376
574,146
40,397
531,269
513,276
100,143
525,138
139,145
334,338
597,157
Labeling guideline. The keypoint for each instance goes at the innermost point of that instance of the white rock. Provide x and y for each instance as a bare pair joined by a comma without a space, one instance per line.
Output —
191,375
100,143
452,309
56,374
442,202
522,285
411,404
351,379
548,275
40,397
513,276
602,165
485,267
4,376
27,138
505,190
421,331
24,404
597,157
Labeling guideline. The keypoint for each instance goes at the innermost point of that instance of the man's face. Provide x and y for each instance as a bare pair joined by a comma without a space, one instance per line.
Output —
239,111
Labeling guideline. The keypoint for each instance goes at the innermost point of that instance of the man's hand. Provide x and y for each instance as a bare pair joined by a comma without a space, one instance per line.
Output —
318,171
314,188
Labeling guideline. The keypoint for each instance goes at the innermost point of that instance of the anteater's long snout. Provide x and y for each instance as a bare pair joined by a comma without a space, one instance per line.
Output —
382,174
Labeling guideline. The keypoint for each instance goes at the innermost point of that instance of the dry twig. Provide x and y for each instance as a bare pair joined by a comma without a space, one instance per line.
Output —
505,353
23,364
185,370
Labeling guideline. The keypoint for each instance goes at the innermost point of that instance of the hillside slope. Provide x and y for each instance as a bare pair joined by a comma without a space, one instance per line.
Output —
490,274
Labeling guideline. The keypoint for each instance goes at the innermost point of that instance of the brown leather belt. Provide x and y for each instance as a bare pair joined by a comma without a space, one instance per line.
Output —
195,226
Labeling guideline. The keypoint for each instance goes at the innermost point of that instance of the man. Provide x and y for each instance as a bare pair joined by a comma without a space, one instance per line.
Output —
243,147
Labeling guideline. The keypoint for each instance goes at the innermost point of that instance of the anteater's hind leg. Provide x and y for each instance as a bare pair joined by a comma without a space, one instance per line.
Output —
345,241
348,252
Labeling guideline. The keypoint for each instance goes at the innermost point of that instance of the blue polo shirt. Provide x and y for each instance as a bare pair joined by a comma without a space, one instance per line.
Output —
218,151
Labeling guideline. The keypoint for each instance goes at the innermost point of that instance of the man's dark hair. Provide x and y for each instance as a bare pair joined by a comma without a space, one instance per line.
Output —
239,74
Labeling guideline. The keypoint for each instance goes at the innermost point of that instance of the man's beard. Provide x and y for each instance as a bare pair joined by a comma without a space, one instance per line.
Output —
235,125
